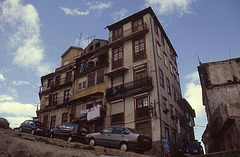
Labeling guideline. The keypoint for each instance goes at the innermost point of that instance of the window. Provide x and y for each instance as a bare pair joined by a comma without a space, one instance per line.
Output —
117,110
100,76
162,39
137,24
45,120
97,45
55,98
53,122
159,50
177,96
49,83
91,48
66,95
161,78
89,106
142,102
117,57
65,62
165,58
91,79
64,118
171,67
117,118
174,93
117,33
68,76
140,76
57,80
142,107
164,106
155,27
139,49
81,85
168,86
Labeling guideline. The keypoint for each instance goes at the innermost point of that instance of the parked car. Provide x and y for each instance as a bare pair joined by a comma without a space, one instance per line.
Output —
191,147
70,132
122,138
34,127
4,123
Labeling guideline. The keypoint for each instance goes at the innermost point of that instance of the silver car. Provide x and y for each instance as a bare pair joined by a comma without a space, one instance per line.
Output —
122,138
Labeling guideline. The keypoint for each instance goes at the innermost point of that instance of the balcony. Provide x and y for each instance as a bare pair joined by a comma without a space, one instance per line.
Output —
128,34
59,101
130,88
56,84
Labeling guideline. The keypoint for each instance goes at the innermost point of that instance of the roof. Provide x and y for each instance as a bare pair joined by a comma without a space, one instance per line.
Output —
71,47
141,13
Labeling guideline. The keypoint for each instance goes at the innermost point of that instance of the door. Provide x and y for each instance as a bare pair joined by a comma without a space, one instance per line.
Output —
116,137
103,137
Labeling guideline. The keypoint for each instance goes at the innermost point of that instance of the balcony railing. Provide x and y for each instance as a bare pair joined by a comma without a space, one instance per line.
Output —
129,32
58,101
130,88
62,82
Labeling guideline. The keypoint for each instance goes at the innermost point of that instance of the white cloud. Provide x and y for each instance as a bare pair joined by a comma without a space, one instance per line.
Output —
166,7
20,22
193,94
119,14
16,83
6,98
73,12
44,69
2,78
99,5
15,112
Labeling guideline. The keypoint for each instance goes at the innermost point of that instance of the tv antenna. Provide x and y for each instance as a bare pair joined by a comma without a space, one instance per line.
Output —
80,37
89,38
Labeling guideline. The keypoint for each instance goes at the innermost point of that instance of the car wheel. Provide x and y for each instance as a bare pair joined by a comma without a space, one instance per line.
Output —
32,131
92,142
123,147
51,135
69,139
20,129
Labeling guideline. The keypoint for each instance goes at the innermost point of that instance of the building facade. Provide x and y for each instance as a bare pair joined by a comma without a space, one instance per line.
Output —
220,83
132,80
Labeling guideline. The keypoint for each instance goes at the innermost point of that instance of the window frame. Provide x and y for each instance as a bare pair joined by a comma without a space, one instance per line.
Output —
141,53
119,33
161,77
64,118
168,86
135,29
120,57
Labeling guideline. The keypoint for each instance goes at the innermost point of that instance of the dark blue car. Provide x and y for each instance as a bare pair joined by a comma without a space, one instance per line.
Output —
191,147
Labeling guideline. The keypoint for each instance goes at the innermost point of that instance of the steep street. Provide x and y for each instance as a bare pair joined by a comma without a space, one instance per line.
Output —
17,144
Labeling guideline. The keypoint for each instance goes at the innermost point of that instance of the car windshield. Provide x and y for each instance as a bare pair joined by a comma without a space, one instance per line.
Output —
133,131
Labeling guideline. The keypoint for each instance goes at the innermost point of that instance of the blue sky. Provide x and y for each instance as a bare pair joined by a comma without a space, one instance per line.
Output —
34,34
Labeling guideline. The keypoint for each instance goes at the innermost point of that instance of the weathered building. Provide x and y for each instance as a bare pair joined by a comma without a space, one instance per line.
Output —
130,80
220,83
143,81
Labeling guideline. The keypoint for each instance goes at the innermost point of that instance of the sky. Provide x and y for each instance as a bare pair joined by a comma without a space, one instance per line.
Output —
34,35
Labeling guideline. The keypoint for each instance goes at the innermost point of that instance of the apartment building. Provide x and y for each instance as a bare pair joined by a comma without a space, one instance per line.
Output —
129,80
143,80
56,92
220,83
